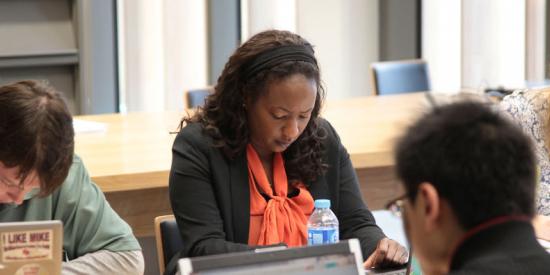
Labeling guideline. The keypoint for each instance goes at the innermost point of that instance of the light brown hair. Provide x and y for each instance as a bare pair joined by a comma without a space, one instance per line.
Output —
36,132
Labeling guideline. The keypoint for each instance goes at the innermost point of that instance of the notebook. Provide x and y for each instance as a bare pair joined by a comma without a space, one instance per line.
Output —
343,258
31,248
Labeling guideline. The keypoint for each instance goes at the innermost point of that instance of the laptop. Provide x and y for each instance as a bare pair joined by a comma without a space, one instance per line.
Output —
31,247
343,258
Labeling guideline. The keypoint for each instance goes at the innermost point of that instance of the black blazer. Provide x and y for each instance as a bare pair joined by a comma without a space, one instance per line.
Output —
507,248
210,195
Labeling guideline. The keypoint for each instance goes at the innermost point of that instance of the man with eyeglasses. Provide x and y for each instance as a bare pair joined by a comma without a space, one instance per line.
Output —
469,176
42,179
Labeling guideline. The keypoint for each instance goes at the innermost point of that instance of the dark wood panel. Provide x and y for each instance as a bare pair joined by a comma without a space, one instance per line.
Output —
139,207
378,186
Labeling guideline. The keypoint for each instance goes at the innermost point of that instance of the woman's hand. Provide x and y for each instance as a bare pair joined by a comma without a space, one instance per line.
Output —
388,252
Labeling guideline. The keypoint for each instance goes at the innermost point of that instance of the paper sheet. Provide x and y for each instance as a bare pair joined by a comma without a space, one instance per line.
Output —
85,126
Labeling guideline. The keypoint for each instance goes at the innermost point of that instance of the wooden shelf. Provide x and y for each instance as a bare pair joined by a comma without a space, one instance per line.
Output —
38,60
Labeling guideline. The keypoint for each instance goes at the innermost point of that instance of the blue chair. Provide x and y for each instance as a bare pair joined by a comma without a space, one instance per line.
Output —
397,77
168,240
197,97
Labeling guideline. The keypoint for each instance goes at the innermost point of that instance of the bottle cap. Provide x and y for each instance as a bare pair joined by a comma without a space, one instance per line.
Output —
322,203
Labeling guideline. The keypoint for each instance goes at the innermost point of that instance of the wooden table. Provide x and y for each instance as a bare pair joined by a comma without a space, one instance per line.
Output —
369,126
130,161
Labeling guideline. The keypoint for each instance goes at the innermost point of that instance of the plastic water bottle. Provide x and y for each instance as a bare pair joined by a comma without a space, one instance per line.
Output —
322,226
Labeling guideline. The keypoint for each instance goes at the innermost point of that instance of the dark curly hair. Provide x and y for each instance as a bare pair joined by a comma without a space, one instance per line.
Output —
224,117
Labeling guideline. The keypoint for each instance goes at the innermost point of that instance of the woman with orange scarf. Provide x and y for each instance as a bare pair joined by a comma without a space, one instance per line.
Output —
248,165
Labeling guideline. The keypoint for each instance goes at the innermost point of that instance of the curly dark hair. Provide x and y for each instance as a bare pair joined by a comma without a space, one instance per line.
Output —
224,116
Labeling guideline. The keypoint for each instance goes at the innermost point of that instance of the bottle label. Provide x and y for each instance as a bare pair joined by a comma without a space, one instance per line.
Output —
322,236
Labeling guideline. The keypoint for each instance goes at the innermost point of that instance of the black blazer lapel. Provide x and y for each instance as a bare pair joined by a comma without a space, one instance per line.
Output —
240,198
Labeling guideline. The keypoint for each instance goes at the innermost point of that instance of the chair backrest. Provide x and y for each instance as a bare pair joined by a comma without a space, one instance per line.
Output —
196,97
168,239
396,77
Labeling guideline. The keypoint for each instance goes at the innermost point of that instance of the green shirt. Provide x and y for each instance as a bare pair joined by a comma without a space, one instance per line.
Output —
89,222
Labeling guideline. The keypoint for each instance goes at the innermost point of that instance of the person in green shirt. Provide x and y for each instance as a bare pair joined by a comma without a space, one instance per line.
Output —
42,179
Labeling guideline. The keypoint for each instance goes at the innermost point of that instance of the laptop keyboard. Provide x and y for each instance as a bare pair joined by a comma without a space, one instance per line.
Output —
389,272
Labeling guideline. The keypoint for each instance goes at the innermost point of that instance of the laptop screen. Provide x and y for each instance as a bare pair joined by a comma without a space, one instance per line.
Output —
341,258
31,247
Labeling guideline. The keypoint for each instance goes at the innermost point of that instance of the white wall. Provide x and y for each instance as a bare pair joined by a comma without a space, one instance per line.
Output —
186,49
536,39
260,15
345,35
493,45
162,52
142,55
472,44
468,44
441,43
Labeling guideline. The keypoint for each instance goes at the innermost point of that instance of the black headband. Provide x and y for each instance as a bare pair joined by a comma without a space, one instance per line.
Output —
278,55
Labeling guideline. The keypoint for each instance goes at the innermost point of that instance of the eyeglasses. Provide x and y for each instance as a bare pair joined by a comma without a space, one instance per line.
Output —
395,206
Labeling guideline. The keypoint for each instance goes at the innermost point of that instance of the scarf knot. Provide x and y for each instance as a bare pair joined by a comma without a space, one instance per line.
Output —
280,219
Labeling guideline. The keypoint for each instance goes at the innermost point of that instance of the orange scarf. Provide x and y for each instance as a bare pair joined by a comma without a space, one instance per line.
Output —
280,219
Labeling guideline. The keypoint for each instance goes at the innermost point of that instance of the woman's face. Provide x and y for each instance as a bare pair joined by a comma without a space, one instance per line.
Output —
281,114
